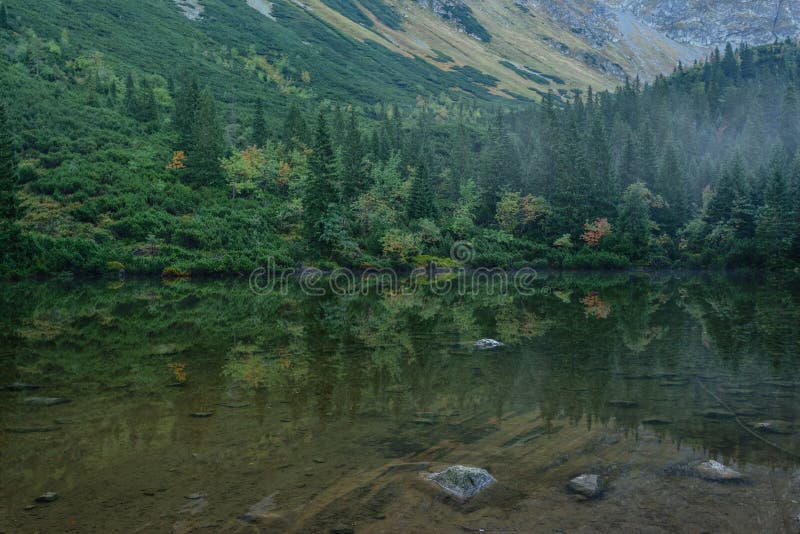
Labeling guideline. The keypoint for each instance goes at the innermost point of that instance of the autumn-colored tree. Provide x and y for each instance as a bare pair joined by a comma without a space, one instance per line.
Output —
515,213
594,233
177,162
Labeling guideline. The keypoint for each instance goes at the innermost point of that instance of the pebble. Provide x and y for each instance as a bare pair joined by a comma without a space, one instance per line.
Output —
202,415
47,497
587,485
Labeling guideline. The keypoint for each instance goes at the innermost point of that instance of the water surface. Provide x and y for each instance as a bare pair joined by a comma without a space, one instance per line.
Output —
324,412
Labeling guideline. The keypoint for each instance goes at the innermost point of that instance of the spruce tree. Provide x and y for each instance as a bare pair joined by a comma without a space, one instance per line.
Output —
187,108
320,194
672,186
422,197
748,66
295,133
729,64
259,126
634,219
207,145
131,105
4,20
354,175
8,170
147,107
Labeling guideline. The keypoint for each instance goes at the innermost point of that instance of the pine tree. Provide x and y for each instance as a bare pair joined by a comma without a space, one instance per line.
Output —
634,219
295,133
8,170
500,168
729,64
131,105
147,107
672,186
259,126
207,145
748,66
354,175
774,219
320,194
4,20
187,108
422,197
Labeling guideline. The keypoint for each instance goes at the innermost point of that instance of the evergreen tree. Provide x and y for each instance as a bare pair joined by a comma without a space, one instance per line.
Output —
147,107
634,219
422,197
748,66
672,186
207,145
4,20
259,126
500,169
187,109
320,194
295,134
131,107
730,67
8,170
354,175
774,219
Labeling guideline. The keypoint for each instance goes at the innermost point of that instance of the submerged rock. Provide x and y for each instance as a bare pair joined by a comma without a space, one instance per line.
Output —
589,486
201,415
774,427
259,510
462,481
717,472
50,496
486,344
44,401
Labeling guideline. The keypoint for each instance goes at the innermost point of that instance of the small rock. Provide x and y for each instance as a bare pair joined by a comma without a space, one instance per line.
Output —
715,471
202,415
30,507
44,401
461,481
424,421
774,427
486,344
47,497
195,496
235,404
318,460
259,510
587,485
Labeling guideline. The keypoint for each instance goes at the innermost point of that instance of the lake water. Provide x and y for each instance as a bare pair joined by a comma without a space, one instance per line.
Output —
202,407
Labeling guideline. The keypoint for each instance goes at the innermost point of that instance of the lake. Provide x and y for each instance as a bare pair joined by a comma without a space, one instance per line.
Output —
203,407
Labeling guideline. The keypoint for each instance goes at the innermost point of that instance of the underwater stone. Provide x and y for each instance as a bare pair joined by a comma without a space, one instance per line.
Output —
486,344
587,485
462,481
47,497
717,472
774,427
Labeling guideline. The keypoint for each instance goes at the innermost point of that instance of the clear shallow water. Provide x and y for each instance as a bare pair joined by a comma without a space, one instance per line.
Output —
327,410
